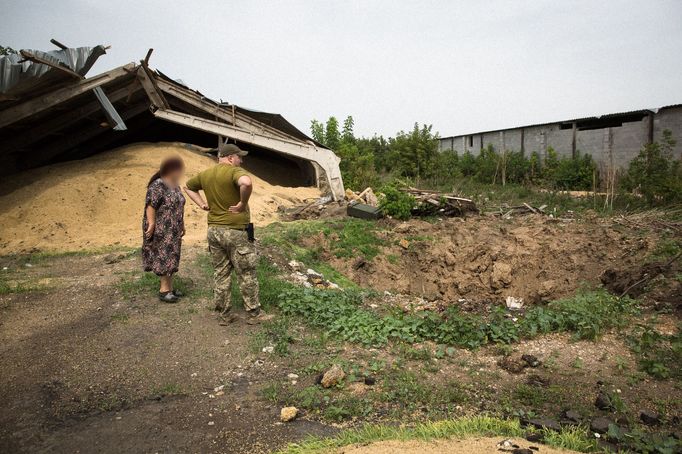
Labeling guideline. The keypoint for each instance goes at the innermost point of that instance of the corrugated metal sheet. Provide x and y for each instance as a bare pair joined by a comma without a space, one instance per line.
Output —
19,77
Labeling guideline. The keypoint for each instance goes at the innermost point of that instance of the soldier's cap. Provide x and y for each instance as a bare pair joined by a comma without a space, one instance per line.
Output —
230,149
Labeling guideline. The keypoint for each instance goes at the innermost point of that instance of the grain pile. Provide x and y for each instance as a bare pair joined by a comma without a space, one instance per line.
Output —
98,202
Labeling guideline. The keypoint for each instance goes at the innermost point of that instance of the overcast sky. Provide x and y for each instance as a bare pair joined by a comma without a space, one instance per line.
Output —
463,66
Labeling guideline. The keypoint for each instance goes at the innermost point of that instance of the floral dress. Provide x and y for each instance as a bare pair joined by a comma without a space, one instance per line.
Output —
161,252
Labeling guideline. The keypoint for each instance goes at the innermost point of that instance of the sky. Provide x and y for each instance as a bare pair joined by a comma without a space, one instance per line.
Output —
462,66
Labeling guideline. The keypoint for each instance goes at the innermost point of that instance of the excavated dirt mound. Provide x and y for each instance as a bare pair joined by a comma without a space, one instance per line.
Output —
485,445
487,259
655,282
99,201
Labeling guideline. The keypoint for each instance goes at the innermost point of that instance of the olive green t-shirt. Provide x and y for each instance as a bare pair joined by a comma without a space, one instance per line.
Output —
219,184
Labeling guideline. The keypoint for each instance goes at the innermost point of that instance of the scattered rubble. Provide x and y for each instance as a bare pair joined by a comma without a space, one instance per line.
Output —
308,277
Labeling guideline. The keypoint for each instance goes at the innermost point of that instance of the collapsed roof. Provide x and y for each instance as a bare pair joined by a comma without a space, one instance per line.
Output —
50,112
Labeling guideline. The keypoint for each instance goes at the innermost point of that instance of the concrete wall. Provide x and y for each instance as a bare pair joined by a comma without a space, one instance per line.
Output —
617,144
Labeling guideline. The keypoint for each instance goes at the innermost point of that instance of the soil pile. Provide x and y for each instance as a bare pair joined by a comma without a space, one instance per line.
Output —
99,201
483,259
485,445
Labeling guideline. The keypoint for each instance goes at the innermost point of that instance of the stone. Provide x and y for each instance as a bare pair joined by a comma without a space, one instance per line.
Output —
332,377
544,423
546,288
357,389
534,437
650,418
531,360
603,401
572,416
450,259
370,381
600,424
522,451
536,380
110,259
501,276
288,414
512,364
404,243
402,228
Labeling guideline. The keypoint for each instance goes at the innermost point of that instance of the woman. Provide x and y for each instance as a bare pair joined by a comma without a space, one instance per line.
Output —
163,226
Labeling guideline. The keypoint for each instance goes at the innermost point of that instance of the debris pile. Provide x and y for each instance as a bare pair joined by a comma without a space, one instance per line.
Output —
308,277
433,203
367,197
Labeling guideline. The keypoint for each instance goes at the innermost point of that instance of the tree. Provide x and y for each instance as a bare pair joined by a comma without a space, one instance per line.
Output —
331,134
347,135
317,130
655,172
7,50
416,151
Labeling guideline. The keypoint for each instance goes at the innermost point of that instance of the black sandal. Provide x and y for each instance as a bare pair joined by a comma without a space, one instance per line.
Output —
168,297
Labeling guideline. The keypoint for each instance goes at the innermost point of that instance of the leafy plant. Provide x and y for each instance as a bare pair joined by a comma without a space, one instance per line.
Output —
396,203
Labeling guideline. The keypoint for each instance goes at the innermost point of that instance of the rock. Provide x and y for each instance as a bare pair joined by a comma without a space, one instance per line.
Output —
402,228
512,364
332,377
544,423
359,263
295,265
572,416
501,275
522,451
110,259
536,380
268,349
313,274
607,445
546,288
513,303
292,376
450,259
603,401
531,360
404,243
288,414
370,381
650,418
534,437
357,389
600,424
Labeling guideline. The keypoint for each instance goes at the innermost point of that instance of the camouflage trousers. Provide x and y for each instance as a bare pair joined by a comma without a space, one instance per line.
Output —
230,249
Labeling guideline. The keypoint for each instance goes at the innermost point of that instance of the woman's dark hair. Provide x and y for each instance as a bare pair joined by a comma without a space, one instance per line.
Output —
168,165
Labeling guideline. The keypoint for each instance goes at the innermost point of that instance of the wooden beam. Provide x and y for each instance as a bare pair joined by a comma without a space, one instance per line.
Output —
151,89
323,157
72,140
232,117
36,105
57,122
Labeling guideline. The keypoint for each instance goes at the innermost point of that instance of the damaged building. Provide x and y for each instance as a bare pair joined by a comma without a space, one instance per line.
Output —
613,139
51,112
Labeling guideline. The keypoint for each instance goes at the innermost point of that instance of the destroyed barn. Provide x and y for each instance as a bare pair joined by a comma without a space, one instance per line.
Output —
51,112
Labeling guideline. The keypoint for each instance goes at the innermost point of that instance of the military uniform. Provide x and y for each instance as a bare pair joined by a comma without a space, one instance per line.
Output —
228,240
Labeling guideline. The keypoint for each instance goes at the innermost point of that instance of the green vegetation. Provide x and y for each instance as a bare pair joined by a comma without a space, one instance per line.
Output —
396,203
655,173
343,315
413,158
659,355
456,428
7,286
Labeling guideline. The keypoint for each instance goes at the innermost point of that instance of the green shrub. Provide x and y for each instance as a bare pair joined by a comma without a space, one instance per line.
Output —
396,203
655,173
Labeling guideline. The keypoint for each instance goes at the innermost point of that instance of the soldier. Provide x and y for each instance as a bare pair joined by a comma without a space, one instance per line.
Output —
227,188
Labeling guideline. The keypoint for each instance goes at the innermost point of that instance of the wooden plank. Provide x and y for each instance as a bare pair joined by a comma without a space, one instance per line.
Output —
70,141
154,94
58,122
36,105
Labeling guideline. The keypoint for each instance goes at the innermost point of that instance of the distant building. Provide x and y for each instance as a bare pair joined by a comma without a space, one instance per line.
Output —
614,138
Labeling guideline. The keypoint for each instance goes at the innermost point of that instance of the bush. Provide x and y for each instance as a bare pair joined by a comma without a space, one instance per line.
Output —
574,173
655,173
396,203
